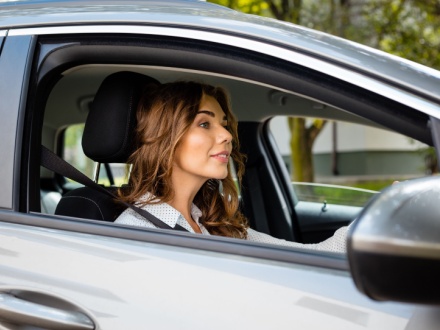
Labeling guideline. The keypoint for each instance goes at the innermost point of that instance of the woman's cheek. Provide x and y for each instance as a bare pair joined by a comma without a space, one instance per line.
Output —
197,141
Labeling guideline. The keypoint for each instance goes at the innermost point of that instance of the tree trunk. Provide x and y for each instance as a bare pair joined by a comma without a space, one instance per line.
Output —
302,138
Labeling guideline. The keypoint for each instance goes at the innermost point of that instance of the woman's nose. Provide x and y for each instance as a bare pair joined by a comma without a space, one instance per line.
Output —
224,135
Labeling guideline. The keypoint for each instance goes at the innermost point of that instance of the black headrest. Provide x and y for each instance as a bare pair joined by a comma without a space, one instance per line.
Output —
111,122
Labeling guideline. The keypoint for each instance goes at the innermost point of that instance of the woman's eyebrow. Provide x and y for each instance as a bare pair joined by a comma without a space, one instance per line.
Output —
211,114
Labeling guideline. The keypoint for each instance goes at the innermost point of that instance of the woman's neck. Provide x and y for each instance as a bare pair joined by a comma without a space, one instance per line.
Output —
184,194
183,204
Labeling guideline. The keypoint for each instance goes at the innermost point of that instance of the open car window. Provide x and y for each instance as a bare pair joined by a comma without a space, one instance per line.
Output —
342,166
350,162
70,76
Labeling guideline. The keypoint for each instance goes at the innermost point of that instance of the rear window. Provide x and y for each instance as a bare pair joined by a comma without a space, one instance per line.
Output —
72,152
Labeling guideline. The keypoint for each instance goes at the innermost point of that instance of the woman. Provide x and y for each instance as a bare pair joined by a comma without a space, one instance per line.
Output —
186,134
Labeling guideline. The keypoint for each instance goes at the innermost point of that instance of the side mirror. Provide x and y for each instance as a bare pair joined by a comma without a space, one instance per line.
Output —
394,245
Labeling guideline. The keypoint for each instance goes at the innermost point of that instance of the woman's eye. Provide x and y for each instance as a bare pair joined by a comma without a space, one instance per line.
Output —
204,125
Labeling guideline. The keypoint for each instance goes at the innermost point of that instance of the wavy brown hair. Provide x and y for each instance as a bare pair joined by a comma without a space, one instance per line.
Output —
165,113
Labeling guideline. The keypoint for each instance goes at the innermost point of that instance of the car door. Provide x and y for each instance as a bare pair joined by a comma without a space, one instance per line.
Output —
65,272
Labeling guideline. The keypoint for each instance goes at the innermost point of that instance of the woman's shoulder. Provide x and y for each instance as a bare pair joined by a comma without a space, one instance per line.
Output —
130,217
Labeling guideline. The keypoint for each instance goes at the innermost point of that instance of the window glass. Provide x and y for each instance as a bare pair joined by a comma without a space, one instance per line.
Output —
345,163
109,175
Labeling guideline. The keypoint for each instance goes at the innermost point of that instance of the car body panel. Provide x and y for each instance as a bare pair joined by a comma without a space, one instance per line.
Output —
305,296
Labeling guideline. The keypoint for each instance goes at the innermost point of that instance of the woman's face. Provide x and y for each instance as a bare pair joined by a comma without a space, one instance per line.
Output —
203,152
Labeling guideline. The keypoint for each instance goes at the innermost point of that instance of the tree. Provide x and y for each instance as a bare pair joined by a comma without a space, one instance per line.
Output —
303,133
407,28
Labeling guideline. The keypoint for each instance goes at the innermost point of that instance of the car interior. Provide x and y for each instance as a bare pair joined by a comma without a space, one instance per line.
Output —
72,86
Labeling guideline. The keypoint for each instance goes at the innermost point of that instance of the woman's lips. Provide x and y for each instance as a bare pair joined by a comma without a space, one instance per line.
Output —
222,157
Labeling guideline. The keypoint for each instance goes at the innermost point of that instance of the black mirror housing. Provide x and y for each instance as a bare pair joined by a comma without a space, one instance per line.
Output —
394,245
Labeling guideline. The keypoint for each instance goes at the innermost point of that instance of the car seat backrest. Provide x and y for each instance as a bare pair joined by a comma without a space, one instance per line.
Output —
108,138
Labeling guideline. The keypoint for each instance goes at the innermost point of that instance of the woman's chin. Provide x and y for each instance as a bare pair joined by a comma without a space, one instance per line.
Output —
221,176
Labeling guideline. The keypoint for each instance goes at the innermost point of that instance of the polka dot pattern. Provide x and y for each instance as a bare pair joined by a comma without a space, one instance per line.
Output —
164,212
169,215
336,243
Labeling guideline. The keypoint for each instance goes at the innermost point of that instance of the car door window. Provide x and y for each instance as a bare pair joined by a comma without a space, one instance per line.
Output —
72,152
351,163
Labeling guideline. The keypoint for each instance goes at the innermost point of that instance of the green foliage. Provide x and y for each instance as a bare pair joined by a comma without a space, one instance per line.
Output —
256,7
376,185
73,152
407,28
430,157
410,29
73,135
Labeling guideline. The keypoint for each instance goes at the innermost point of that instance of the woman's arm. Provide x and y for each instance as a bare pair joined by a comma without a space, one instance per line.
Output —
336,243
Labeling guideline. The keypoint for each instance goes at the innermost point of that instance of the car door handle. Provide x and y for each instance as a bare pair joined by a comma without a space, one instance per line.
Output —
16,309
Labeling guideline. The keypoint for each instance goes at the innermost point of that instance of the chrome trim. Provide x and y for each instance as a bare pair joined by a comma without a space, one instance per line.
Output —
96,171
23,313
396,247
378,87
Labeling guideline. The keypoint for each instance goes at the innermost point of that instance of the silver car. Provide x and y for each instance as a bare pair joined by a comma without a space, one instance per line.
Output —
75,271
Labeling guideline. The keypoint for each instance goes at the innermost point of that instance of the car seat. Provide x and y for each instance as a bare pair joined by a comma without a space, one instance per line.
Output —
108,138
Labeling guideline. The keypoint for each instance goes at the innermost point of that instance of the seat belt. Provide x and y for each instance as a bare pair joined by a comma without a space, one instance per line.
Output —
58,165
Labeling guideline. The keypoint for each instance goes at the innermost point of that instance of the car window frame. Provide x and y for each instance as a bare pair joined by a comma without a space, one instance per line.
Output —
153,235
13,94
282,51
2,38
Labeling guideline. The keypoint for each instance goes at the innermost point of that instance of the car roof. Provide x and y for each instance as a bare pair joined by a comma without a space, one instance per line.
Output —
193,14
